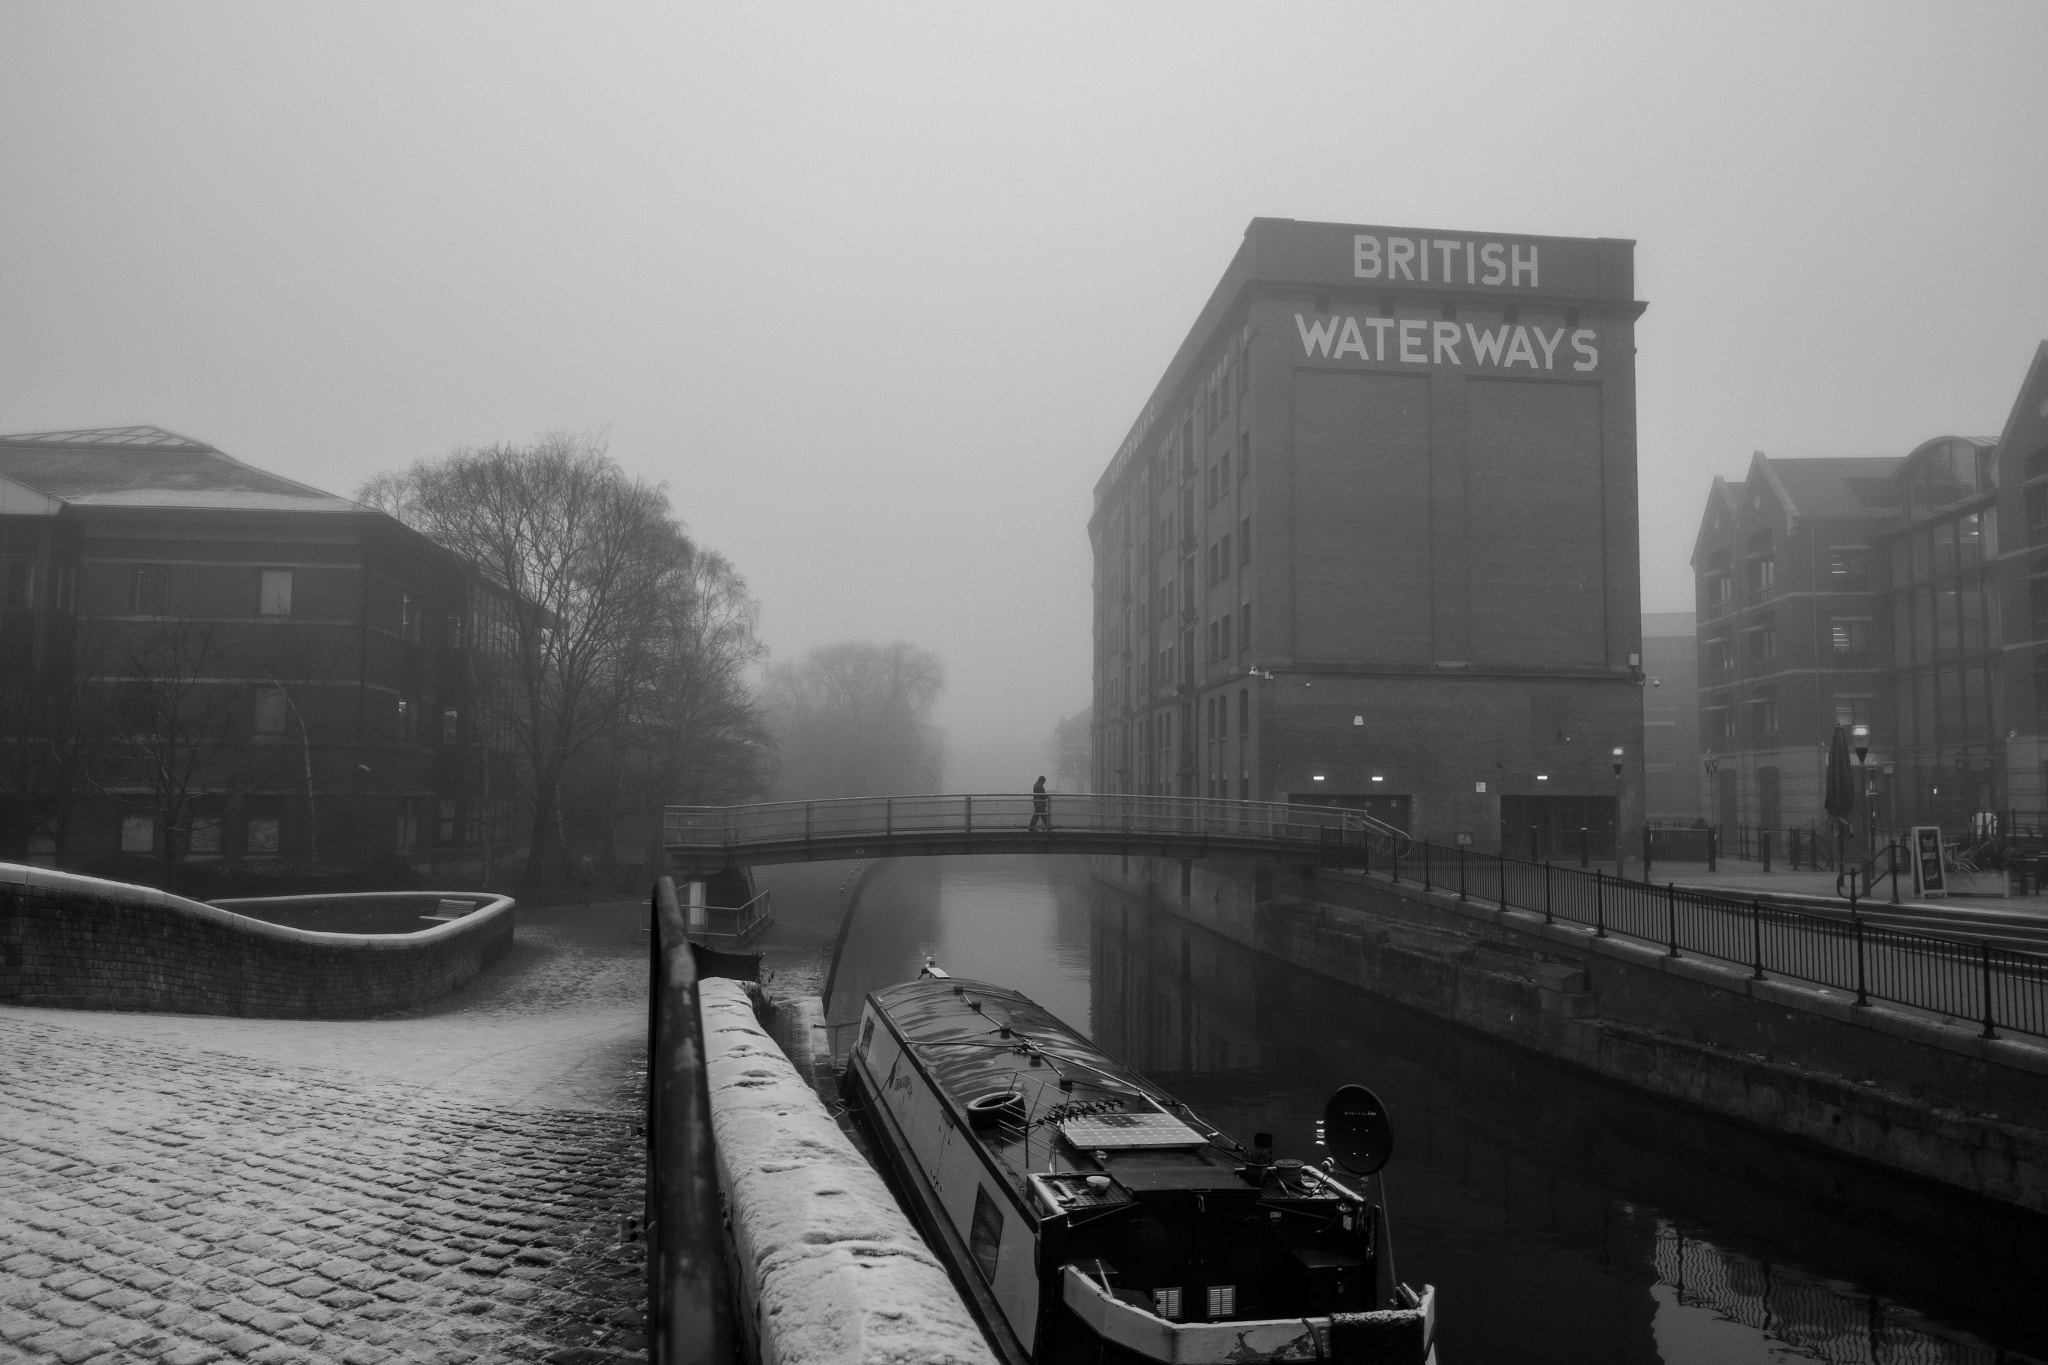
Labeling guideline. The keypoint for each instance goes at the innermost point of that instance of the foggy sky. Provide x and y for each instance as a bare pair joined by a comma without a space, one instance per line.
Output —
878,290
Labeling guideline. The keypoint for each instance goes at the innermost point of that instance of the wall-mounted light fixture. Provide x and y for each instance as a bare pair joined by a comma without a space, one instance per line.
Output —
1317,778
1377,778
1543,777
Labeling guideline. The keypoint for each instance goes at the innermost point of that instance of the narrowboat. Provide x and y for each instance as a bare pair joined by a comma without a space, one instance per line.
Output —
1090,1217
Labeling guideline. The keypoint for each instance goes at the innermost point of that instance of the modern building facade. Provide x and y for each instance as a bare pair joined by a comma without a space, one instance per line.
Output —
1372,540
203,660
1671,718
1904,593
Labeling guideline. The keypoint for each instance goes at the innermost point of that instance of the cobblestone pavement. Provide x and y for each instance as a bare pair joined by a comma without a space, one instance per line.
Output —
162,1201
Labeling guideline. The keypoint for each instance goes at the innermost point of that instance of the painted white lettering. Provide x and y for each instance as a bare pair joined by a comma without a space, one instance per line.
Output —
1591,356
1351,340
1365,256
1468,263
1446,250
1496,268
1519,348
1444,338
1317,336
1486,346
1379,336
1422,250
1411,342
1549,345
1528,265
1400,252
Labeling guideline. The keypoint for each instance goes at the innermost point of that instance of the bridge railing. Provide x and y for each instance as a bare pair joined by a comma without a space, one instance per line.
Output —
704,828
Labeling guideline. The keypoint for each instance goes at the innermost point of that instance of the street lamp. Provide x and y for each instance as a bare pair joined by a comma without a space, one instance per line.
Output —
1711,765
1859,740
1617,811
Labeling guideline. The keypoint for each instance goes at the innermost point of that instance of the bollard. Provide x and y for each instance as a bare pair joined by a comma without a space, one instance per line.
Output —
1671,916
1585,857
1713,843
1461,872
1763,843
1646,853
1756,938
1599,906
1546,892
1862,996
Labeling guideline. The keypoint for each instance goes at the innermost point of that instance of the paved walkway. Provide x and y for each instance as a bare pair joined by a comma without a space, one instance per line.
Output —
454,1184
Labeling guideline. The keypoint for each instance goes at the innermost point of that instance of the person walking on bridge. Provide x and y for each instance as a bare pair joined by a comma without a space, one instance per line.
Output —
1041,807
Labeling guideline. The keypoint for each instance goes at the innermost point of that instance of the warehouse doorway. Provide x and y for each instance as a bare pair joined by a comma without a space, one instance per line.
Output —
1546,828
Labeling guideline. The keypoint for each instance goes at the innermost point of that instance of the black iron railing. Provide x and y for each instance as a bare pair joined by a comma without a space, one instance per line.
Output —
689,1290
1993,986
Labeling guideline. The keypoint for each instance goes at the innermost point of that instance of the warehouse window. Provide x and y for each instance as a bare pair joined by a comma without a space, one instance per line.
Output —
270,711
149,588
138,834
275,597
262,838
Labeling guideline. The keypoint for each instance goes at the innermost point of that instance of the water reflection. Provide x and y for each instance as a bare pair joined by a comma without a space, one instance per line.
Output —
1562,1219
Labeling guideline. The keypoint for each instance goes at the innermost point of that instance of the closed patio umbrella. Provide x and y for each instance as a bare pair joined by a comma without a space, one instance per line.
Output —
1840,797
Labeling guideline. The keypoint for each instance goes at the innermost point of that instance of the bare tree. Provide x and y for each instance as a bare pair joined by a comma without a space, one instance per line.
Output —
584,552
1067,751
172,728
693,732
42,737
853,719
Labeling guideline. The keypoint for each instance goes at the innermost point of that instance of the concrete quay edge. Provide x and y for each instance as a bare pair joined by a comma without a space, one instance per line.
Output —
2003,1050
830,1269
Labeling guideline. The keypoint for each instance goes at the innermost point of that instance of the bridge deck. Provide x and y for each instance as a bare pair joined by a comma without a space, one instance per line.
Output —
700,839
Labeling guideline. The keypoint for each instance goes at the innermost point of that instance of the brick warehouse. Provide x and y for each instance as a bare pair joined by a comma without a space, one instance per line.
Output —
313,668
1372,540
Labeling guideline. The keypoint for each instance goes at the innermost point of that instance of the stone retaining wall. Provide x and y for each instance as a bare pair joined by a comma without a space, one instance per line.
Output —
83,943
1900,1090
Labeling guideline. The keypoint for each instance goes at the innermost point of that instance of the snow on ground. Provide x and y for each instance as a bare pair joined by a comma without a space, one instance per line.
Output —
450,1184
550,1026
839,1273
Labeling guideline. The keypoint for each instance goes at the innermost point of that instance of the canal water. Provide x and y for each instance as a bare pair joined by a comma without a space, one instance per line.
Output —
1562,1219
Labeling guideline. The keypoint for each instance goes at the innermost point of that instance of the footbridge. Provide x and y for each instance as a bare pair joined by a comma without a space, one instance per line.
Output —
700,840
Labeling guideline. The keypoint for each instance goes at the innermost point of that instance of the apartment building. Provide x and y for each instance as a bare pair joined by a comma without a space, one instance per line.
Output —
1905,593
204,660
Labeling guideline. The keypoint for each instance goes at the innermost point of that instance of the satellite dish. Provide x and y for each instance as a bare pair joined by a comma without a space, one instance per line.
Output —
1357,1131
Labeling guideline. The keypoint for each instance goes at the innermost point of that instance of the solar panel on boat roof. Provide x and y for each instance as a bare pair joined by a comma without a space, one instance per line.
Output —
1108,1131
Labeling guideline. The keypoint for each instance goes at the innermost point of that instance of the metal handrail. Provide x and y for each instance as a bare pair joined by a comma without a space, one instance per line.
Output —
1859,880
689,1288
1957,977
728,827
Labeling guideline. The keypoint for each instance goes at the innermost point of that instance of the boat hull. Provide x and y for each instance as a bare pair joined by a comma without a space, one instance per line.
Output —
1088,1218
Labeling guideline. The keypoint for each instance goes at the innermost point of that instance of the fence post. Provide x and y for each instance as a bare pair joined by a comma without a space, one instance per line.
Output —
1425,867
1713,845
1584,860
1461,872
1646,853
1984,957
1500,868
1546,891
1862,996
1671,915
1599,906
1756,939
1763,843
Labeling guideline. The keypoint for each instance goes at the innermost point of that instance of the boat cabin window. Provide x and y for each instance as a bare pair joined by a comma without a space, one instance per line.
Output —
986,1239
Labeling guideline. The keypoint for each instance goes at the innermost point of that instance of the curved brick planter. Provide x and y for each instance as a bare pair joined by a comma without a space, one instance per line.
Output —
83,943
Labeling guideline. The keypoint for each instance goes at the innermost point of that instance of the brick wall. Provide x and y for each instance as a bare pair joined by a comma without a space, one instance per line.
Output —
82,943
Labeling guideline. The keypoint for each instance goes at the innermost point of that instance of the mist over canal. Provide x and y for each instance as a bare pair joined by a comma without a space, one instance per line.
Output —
1562,1219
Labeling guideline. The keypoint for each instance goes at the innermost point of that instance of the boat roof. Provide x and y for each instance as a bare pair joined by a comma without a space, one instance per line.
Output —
974,1038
